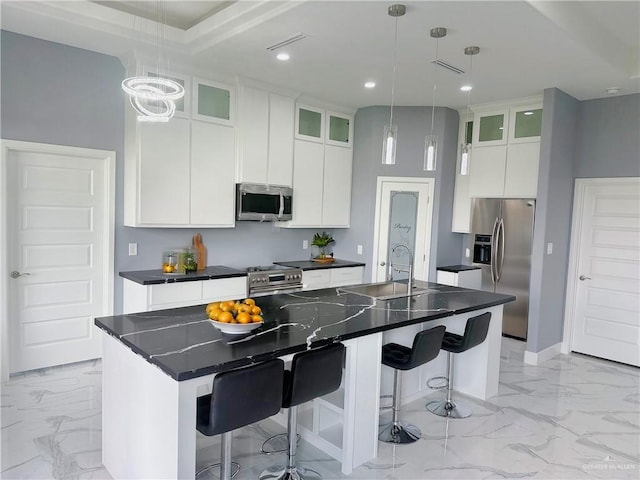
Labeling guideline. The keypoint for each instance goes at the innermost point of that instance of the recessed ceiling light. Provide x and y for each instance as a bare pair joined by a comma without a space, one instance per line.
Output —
369,84
466,88
282,56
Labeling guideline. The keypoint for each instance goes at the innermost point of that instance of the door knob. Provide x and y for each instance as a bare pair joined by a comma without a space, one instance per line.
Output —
16,274
382,264
583,278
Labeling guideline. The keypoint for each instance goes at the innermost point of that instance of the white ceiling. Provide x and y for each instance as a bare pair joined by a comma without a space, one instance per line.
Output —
581,47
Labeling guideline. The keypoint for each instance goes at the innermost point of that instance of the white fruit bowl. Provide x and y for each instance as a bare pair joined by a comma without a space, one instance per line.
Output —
235,328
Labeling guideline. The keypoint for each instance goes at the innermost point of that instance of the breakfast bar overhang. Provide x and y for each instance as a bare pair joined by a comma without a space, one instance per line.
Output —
155,365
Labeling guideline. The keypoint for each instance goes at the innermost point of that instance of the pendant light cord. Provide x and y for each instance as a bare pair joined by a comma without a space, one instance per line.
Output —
433,98
393,77
466,127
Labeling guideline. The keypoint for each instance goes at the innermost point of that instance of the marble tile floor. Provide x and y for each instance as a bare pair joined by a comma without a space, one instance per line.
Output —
573,417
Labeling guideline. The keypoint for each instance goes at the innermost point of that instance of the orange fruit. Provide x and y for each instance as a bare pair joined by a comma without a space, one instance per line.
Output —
241,307
249,301
212,305
243,317
225,317
256,318
214,313
255,310
229,303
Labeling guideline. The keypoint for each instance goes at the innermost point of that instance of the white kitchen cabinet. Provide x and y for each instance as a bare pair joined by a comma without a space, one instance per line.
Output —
336,191
332,277
212,193
310,123
339,129
265,137
343,276
464,278
321,185
521,173
316,279
144,298
490,127
179,174
487,171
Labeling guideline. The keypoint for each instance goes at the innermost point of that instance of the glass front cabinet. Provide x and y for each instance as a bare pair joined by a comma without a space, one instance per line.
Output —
491,128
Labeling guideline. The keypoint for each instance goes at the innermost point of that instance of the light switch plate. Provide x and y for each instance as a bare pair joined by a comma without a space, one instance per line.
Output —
133,249
359,249
305,244
549,248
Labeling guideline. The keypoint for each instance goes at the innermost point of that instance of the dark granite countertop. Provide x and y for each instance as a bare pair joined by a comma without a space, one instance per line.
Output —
458,268
309,265
185,344
153,277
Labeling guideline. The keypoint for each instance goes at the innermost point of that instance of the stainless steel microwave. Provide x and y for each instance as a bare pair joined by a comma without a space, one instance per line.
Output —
263,203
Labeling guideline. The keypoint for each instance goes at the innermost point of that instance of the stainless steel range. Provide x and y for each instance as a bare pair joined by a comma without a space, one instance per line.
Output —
273,279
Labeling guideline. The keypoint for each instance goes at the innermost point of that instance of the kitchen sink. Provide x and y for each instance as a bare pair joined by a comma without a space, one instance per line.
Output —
384,291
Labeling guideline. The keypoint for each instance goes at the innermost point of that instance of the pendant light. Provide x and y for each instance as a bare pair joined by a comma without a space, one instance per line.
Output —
390,139
465,148
153,95
431,141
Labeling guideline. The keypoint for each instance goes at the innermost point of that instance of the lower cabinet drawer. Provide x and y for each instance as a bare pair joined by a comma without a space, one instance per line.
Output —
224,289
346,276
316,279
174,294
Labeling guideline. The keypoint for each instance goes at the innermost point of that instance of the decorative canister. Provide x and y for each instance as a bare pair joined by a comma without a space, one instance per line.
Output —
170,261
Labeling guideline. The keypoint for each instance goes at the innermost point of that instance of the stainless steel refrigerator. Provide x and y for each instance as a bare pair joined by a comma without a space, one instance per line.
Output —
502,237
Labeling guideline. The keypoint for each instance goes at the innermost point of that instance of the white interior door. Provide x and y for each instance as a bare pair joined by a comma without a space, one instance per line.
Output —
403,217
603,304
60,252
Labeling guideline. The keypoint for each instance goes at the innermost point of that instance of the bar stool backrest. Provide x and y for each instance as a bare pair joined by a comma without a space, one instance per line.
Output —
245,396
426,346
313,373
475,331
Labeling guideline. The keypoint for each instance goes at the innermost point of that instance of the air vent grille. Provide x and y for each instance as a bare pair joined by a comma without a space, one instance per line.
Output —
448,66
288,41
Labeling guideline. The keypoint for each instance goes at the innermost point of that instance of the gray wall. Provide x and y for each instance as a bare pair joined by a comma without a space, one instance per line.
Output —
413,124
552,222
609,139
589,139
53,93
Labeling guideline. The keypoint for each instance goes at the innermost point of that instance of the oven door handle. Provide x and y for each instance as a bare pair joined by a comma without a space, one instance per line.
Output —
274,291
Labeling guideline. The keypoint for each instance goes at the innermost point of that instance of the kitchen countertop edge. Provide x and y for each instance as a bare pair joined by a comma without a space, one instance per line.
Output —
157,277
309,265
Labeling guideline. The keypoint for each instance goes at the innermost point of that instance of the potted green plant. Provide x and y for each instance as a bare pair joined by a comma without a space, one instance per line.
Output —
322,247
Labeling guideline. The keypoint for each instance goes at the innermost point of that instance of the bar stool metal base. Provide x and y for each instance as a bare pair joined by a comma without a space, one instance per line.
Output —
295,473
235,468
399,433
445,408
265,448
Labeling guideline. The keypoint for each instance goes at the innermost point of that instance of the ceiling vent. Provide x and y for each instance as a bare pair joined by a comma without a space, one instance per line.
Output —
293,39
442,64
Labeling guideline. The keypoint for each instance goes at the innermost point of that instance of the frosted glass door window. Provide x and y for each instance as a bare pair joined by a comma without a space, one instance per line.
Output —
528,123
309,123
491,128
338,129
214,102
403,216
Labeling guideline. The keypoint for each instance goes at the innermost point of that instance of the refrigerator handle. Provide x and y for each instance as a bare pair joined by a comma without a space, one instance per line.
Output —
500,263
494,250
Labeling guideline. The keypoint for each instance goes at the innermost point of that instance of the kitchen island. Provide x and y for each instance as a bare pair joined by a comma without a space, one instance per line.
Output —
155,365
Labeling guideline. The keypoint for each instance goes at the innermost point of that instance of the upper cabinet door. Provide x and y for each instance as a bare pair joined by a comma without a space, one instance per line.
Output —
309,123
281,128
213,102
339,129
526,124
183,105
490,128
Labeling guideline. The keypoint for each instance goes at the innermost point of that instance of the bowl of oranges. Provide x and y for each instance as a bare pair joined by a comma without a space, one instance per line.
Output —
235,317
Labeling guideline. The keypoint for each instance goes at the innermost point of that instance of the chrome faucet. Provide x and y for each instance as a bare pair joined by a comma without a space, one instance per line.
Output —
404,268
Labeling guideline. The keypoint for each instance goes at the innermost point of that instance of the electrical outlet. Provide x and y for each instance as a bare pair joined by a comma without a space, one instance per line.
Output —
133,249
359,249
305,244
549,248
467,252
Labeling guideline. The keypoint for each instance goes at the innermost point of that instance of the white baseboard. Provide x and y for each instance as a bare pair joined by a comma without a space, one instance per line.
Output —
536,358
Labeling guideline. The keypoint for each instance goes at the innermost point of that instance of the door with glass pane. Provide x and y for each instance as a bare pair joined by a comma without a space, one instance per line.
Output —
403,228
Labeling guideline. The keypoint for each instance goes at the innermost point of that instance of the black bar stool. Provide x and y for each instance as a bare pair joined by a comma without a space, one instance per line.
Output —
426,346
239,398
313,373
475,332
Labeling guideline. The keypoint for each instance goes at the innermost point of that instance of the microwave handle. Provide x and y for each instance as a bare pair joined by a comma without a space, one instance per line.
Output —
281,211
